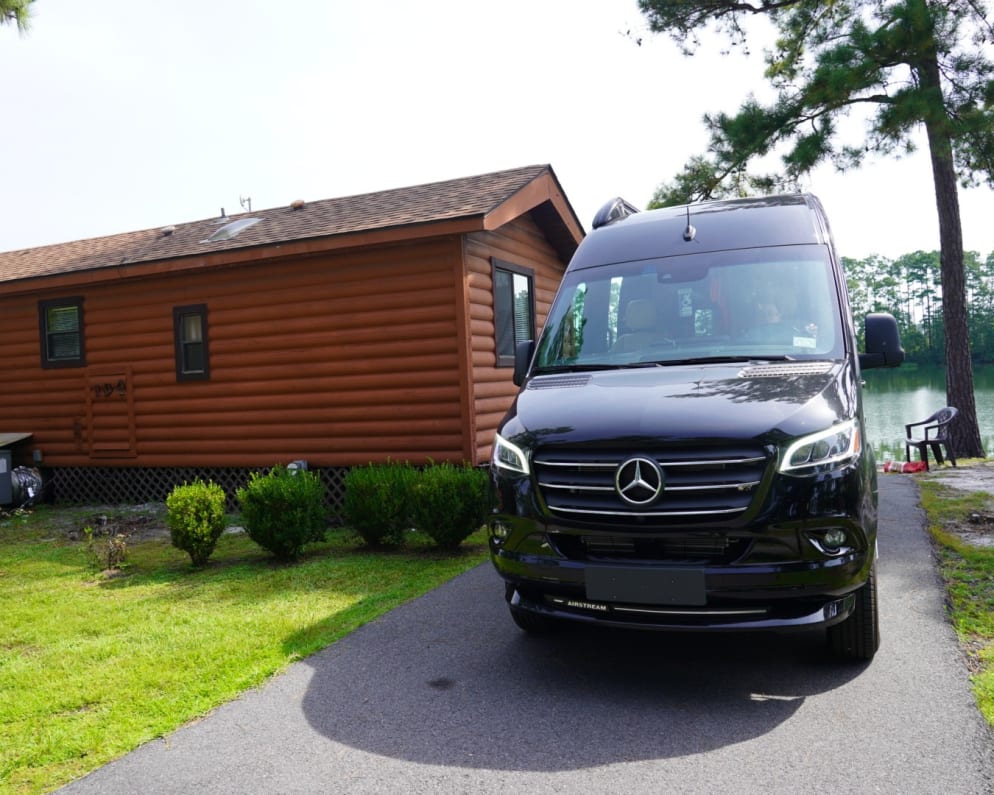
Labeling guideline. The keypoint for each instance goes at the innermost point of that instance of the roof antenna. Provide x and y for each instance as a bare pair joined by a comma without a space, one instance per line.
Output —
246,203
690,232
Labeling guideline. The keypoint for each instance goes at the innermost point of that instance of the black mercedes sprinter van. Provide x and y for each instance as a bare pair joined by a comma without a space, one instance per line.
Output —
687,449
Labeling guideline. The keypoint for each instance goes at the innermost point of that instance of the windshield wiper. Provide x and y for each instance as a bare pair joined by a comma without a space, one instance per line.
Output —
586,368
726,360
571,368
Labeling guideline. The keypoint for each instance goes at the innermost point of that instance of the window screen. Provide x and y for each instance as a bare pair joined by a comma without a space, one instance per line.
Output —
61,329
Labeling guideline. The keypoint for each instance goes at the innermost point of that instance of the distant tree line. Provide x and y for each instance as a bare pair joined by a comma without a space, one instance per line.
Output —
910,288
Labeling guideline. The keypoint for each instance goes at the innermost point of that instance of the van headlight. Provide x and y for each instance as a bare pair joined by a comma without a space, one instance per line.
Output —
830,448
509,456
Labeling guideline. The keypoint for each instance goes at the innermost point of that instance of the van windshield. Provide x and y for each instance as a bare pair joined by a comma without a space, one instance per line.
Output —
757,303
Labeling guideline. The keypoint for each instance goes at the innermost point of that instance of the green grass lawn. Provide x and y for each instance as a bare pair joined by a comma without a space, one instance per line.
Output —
92,665
968,570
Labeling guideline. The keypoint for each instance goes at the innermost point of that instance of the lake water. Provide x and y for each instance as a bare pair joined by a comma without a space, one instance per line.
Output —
893,398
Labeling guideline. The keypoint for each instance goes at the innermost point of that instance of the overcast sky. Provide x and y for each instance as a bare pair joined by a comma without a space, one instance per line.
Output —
131,114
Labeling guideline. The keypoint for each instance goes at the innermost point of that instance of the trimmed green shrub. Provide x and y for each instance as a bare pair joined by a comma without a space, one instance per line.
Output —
283,510
195,514
450,503
377,502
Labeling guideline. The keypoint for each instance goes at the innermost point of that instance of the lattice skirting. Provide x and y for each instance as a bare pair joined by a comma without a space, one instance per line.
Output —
133,486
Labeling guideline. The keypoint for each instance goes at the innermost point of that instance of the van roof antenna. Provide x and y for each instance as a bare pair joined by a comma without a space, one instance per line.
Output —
690,232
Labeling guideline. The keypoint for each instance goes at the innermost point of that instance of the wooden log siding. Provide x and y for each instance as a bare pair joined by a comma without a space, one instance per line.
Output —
522,243
339,359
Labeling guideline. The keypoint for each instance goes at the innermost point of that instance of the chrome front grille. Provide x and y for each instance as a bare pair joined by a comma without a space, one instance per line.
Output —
711,484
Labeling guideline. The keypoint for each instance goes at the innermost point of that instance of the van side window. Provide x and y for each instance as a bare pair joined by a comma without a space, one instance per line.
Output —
514,309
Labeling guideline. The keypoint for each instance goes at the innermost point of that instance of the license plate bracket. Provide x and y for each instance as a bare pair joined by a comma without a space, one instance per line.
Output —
645,586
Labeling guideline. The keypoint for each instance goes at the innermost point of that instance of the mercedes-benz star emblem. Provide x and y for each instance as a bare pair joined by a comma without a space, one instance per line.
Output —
639,481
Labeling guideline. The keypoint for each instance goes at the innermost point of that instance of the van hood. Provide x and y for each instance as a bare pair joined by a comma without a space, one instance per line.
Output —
766,402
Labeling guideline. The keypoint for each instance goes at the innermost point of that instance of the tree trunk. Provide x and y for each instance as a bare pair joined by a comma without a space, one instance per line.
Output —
965,430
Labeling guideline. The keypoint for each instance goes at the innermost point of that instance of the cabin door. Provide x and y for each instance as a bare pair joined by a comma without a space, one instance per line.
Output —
110,413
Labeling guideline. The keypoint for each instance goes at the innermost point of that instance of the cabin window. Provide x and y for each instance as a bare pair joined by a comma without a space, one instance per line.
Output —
190,329
514,309
61,326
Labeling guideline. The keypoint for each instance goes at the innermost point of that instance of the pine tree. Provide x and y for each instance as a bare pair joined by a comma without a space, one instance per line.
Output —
911,64
15,12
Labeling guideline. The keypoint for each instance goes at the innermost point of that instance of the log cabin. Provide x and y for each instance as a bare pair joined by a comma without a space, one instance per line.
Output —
337,333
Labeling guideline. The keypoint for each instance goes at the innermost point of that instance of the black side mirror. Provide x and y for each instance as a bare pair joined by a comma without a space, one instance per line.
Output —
883,342
522,358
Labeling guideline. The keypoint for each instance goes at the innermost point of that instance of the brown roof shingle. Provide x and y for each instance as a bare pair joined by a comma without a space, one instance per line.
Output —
420,204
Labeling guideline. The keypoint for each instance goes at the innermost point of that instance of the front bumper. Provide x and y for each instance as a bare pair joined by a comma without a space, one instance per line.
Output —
795,615
773,595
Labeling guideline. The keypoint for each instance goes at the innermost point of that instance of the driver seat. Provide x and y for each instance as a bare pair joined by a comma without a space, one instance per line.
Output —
640,321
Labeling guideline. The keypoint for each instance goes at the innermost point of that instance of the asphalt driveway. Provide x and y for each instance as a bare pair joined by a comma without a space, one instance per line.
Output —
446,695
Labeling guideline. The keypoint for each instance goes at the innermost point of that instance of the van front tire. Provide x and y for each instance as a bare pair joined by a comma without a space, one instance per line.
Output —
532,623
858,637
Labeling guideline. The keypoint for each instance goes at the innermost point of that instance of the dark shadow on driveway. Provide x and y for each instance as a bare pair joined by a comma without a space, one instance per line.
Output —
449,680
